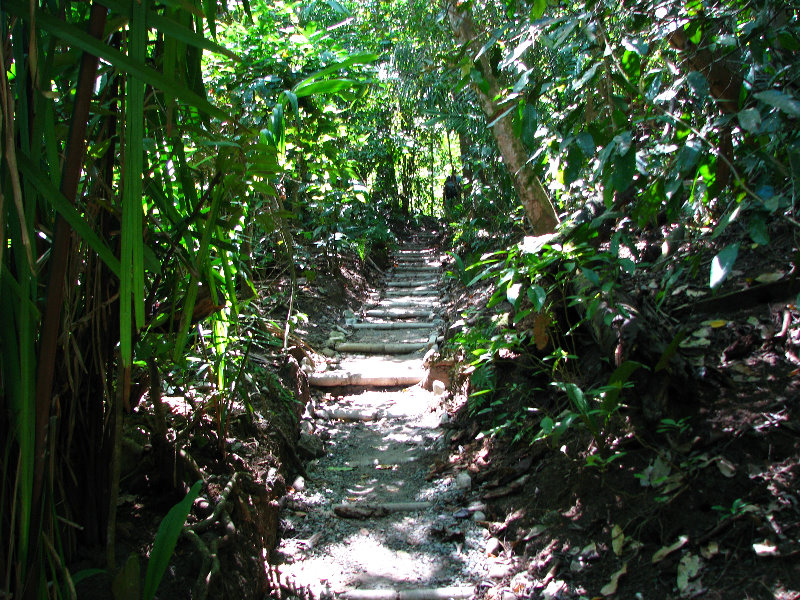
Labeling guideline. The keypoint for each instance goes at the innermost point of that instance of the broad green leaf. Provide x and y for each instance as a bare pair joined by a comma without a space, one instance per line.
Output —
699,84
780,100
758,231
788,41
537,295
624,169
750,119
359,58
327,86
586,143
538,8
512,294
722,264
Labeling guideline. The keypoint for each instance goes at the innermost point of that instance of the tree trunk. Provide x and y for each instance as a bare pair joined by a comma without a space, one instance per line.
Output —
538,207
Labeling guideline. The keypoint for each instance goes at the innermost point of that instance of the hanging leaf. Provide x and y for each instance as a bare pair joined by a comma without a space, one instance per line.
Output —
610,588
722,264
750,119
780,100
699,84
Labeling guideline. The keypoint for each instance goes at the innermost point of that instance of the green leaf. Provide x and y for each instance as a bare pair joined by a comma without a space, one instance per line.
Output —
164,544
538,9
327,86
722,264
624,169
750,119
67,211
780,100
788,41
512,293
537,295
758,231
78,38
586,143
174,29
699,84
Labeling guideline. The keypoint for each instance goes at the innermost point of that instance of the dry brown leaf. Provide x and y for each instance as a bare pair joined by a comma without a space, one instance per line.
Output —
540,323
610,588
663,552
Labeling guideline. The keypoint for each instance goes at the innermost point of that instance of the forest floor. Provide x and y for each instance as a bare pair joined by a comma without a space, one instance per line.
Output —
704,505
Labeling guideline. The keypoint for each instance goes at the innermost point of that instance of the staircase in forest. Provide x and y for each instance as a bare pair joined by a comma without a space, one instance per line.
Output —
368,523
398,325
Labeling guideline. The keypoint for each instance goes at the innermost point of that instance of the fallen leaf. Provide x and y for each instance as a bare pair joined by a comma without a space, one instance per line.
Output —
688,568
712,549
765,548
610,588
663,552
617,539
726,467
770,277
717,323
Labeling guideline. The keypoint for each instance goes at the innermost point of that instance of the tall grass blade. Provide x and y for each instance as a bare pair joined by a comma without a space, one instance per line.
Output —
166,538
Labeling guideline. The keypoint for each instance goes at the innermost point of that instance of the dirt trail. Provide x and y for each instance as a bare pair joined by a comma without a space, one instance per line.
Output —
366,523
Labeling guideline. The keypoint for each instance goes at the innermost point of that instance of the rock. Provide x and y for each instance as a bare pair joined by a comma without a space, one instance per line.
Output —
493,547
307,365
329,352
478,516
299,484
463,481
310,446
336,336
554,589
444,419
439,388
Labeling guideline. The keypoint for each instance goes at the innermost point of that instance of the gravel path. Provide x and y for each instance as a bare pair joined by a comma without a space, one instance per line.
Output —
367,523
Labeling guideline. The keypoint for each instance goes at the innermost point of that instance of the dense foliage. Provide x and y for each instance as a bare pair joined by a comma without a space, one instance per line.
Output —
176,163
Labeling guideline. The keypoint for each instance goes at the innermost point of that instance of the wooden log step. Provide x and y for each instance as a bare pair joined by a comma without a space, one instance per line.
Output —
401,304
443,593
396,325
366,510
344,414
399,313
412,268
420,283
412,292
375,379
379,348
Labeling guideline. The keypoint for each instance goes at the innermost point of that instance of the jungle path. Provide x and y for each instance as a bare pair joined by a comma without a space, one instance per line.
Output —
367,523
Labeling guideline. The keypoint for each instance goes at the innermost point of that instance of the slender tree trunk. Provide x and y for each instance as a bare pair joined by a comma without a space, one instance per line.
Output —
538,207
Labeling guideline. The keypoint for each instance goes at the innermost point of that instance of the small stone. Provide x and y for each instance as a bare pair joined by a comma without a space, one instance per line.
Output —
463,481
299,484
508,595
493,547
329,352
478,516
307,365
439,387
